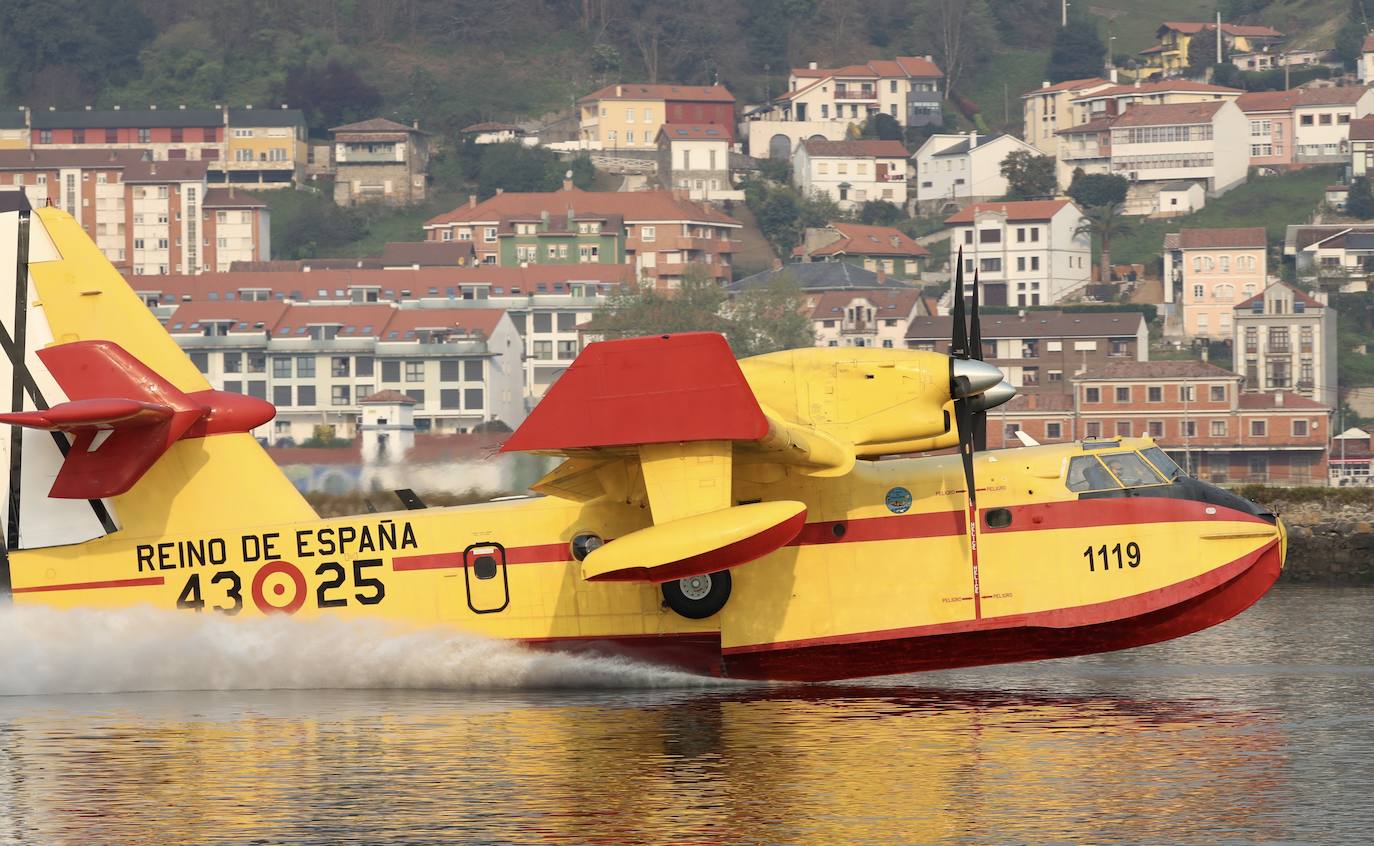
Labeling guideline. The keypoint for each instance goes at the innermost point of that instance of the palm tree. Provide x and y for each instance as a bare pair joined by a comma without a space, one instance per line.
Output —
1105,222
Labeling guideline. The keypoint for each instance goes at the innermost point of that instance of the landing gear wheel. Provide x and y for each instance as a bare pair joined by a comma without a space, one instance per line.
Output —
698,597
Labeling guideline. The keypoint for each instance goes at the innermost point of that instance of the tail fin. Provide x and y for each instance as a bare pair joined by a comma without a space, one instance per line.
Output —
77,334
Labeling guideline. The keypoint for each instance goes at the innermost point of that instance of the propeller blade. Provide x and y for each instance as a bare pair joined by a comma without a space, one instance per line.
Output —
963,415
979,427
958,343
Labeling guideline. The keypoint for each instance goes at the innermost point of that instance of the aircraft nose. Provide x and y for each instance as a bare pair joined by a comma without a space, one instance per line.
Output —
980,375
991,398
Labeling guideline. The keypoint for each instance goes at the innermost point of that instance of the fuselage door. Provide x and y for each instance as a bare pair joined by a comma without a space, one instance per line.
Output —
484,575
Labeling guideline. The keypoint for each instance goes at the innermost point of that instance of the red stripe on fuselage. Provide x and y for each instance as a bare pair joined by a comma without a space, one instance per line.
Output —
113,583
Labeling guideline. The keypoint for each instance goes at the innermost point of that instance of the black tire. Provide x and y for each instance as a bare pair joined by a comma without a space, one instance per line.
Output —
698,607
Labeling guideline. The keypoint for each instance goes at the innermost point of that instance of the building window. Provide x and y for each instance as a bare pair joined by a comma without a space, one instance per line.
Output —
1299,428
305,367
1218,428
1123,394
281,396
1156,428
305,395
472,399
1258,428
339,365
391,371
1154,393
1123,428
1218,393
418,395
415,371
990,265
543,350
1092,395
1054,431
281,367
233,362
1092,429
989,236
338,395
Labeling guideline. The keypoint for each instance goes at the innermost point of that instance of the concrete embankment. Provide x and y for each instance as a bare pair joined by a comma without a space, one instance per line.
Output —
1330,533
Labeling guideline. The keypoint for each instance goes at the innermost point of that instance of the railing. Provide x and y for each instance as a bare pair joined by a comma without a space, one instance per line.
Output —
1282,348
846,93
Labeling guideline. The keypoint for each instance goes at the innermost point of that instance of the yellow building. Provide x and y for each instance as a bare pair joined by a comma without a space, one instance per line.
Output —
628,116
1048,109
1170,56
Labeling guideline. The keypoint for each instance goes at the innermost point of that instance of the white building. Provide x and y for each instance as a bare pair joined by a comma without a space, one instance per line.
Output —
461,366
864,318
1285,340
1183,197
955,170
1364,69
851,172
1116,99
696,158
1048,110
1025,253
825,102
1206,142
1321,121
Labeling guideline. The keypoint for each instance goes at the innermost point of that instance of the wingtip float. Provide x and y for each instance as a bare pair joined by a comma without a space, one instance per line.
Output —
726,516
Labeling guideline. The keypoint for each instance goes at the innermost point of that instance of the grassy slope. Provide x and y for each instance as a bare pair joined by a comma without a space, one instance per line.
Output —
1270,201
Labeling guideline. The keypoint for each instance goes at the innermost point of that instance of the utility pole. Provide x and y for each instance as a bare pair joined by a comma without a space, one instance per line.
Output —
1064,12
1187,426
1218,36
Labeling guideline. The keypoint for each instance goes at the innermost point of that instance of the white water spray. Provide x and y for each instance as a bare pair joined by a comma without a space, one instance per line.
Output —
49,651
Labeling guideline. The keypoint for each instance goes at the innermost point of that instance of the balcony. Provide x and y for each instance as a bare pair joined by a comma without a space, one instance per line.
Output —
710,245
856,327
845,92
1282,348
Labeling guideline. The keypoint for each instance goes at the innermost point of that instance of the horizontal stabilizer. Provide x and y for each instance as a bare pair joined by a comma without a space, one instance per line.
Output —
123,417
693,546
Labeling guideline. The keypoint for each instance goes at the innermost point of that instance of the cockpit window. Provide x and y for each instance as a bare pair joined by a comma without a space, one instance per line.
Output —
1163,463
1131,469
1086,473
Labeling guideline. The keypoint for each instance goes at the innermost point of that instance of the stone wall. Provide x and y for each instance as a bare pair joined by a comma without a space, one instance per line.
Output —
1329,542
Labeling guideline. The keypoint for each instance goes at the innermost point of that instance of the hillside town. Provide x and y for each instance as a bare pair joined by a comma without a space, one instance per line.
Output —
1221,342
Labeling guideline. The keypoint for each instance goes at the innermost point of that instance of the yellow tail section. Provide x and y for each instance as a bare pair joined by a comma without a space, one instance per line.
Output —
215,482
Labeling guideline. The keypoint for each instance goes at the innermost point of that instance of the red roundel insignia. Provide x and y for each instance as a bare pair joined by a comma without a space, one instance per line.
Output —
275,595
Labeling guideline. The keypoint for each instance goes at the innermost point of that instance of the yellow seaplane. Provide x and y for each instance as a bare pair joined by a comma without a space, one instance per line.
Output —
729,517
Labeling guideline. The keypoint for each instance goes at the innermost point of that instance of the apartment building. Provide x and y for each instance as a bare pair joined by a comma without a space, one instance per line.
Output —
315,363
1086,147
1116,99
1332,255
264,148
379,161
1362,147
877,317
695,158
147,217
1213,270
1170,56
658,233
1201,417
825,102
1272,137
628,116
1285,340
1042,350
1025,253
545,303
851,172
955,170
1322,117
1048,110
875,248
1195,142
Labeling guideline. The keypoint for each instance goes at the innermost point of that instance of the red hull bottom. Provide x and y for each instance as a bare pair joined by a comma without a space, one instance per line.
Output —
700,653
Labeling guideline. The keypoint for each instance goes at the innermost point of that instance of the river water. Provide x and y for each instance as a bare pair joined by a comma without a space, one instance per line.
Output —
1258,731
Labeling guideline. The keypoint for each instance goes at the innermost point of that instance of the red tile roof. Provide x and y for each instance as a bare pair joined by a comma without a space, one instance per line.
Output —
1331,95
1368,46
173,170
1018,210
1239,30
387,397
1362,129
231,198
425,253
1168,114
1298,294
247,316
632,205
856,149
53,159
900,67
363,320
1268,101
491,126
1067,85
1205,239
1095,125
467,321
695,132
1191,369
888,303
374,125
647,91
858,239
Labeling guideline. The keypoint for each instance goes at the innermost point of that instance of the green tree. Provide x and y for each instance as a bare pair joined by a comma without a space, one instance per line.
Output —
1349,43
1359,202
332,94
1090,190
882,126
769,318
958,33
1078,52
515,167
880,213
1029,175
1105,223
1202,51
91,42
694,306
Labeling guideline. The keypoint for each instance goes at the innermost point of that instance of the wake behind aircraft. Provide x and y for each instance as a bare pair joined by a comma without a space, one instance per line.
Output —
734,518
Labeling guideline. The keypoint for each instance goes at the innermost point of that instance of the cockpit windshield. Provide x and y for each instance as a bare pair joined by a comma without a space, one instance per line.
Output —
1163,463
1113,471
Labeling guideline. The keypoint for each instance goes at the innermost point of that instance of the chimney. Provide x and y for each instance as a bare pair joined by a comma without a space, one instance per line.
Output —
567,184
1137,83
812,65
972,138
152,107
1112,76
472,201
500,191
1044,83
249,106
618,90
116,108
930,58
415,124
88,108
882,275
182,107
